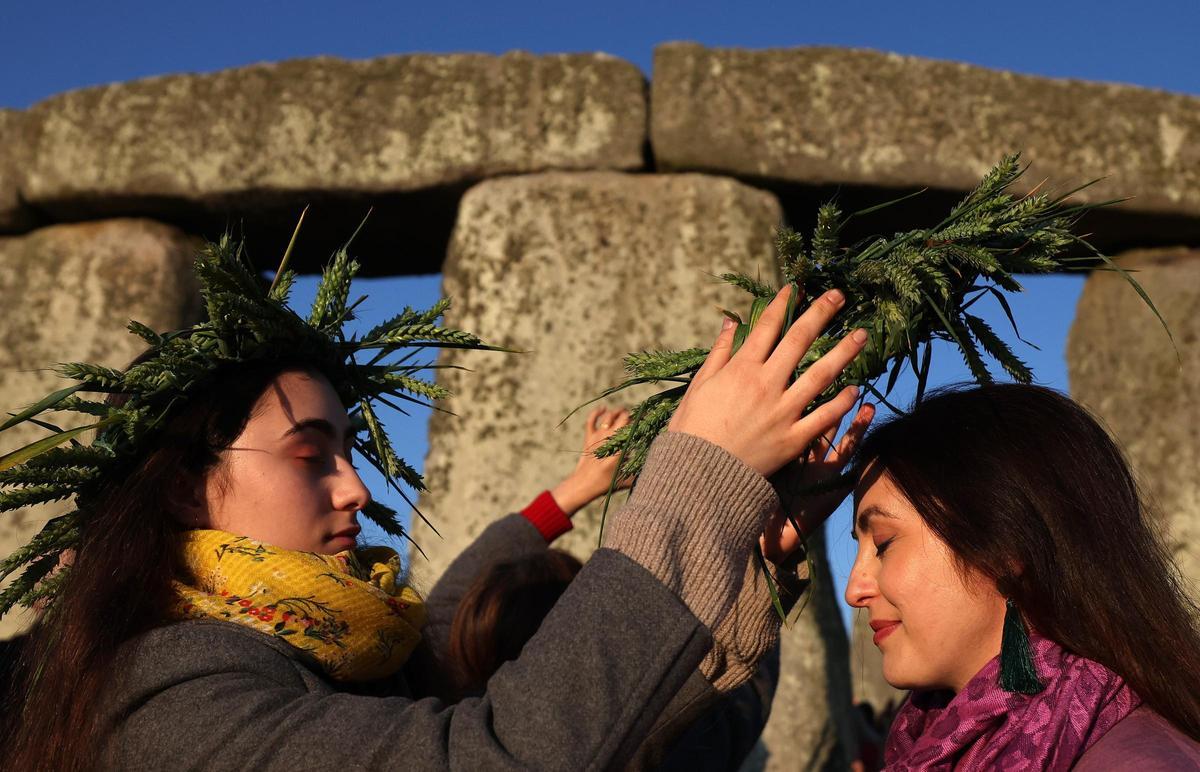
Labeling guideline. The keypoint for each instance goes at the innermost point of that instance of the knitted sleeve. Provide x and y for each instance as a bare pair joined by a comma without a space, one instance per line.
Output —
693,521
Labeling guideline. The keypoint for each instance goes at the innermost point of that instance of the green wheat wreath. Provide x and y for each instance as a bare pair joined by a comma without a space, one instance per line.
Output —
907,291
246,322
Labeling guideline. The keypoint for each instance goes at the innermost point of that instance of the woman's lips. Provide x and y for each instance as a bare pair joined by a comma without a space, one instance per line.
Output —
346,536
883,628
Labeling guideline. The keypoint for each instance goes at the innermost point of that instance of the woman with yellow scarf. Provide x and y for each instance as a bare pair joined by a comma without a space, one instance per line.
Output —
218,616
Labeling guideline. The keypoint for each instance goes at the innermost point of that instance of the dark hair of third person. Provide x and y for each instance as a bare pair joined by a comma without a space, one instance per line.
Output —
501,611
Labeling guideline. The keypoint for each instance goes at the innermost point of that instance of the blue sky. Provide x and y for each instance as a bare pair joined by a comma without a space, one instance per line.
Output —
52,46
49,47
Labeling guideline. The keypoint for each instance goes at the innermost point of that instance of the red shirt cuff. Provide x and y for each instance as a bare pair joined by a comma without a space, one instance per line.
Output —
547,517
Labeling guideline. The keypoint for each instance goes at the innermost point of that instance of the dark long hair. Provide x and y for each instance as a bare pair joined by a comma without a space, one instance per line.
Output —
1026,487
501,611
120,581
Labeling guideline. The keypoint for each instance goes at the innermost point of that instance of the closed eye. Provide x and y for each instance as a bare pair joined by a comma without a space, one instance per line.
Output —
310,453
882,548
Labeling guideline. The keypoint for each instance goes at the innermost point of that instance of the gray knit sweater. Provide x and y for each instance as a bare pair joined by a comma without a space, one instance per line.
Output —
669,594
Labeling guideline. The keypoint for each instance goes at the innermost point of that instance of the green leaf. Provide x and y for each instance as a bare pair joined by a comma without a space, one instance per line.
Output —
825,234
894,376
27,581
788,242
970,354
620,387
753,286
664,364
739,336
386,518
94,377
50,539
884,205
416,386
41,406
333,291
282,282
21,455
923,378
49,475
882,399
998,349
1008,313
145,333
770,580
965,344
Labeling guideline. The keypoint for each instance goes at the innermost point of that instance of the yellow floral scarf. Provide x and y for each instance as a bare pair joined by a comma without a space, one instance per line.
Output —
345,609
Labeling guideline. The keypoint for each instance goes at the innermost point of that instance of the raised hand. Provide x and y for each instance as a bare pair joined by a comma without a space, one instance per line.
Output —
744,402
796,481
592,476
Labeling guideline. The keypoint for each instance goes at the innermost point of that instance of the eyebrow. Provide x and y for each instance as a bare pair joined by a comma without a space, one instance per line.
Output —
864,518
319,425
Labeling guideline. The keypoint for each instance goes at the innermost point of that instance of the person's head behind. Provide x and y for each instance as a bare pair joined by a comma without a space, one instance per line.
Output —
502,610
1000,492
261,451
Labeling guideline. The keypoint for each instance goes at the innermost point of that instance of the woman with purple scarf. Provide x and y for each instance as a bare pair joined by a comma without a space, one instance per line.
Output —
1016,585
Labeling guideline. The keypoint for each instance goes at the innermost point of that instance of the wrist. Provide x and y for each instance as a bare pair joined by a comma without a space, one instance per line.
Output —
547,517
571,496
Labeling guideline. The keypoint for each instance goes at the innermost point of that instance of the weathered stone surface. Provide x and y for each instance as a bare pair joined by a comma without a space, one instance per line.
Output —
837,116
14,216
284,131
1122,366
68,292
583,268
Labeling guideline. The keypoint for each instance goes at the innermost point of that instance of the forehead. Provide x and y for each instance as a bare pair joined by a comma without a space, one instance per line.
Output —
293,397
875,495
872,483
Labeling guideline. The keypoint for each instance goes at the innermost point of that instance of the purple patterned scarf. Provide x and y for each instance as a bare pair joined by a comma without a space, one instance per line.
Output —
985,727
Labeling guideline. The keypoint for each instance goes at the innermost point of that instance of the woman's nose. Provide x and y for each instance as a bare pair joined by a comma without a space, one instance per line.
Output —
351,494
861,586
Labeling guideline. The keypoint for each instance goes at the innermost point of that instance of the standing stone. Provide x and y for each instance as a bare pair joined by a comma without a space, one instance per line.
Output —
1122,367
836,116
810,725
68,292
14,154
289,133
580,269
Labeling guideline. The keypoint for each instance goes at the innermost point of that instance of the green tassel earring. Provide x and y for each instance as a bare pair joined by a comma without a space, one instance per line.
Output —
1017,672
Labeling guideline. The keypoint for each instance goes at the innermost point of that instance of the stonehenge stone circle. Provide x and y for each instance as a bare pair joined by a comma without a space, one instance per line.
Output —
576,213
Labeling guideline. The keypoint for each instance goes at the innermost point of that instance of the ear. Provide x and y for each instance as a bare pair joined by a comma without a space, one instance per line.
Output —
187,498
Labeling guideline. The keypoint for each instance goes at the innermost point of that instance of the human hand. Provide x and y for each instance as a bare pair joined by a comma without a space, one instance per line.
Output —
820,466
592,476
743,402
